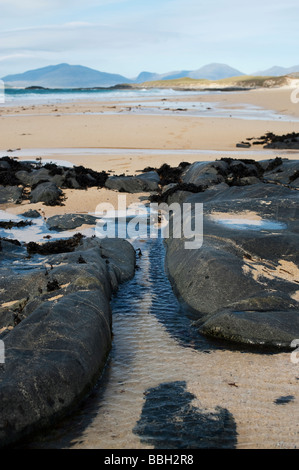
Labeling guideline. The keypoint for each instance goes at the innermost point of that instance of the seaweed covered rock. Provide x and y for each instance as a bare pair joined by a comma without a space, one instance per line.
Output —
49,179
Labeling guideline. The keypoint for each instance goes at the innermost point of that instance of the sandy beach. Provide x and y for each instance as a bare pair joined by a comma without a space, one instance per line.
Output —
148,125
125,137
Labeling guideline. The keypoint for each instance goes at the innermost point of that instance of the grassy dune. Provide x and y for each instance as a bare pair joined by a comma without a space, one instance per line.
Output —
245,81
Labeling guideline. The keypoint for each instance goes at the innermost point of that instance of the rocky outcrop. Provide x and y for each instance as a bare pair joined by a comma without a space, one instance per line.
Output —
45,182
243,283
55,322
48,193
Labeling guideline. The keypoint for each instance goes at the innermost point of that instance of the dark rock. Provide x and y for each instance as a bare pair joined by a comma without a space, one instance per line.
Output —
11,194
285,173
285,141
10,241
4,165
244,145
266,329
31,214
146,182
240,284
34,177
31,174
8,178
58,348
48,193
70,221
205,174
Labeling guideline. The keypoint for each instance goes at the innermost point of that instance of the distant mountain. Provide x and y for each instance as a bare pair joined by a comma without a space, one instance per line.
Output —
215,72
77,76
65,76
146,77
209,72
278,71
174,75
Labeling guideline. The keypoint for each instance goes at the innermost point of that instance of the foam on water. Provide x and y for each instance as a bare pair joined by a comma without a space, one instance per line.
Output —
248,224
35,232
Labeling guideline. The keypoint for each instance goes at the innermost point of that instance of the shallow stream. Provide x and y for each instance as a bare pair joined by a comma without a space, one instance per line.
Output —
167,387
142,399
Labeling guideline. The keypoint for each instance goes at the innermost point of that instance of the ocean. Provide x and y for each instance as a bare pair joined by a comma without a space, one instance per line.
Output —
19,96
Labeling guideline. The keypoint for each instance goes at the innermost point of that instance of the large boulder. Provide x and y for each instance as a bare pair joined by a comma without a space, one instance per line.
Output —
205,174
242,284
56,326
48,193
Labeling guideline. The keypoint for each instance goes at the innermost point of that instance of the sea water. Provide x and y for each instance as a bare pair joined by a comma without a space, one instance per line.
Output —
17,96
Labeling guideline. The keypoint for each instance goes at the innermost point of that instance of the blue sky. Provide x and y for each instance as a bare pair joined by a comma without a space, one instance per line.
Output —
129,36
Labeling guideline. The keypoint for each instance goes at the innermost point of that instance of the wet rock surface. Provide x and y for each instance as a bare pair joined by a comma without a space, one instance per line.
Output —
243,283
55,321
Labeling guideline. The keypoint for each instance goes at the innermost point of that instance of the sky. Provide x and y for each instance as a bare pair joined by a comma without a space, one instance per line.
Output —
131,36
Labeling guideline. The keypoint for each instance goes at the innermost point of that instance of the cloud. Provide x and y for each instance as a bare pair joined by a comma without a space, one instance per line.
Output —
29,5
78,35
128,35
23,55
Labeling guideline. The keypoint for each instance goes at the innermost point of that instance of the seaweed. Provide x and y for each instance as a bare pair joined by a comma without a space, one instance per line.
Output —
53,285
271,140
55,247
190,187
294,176
11,224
